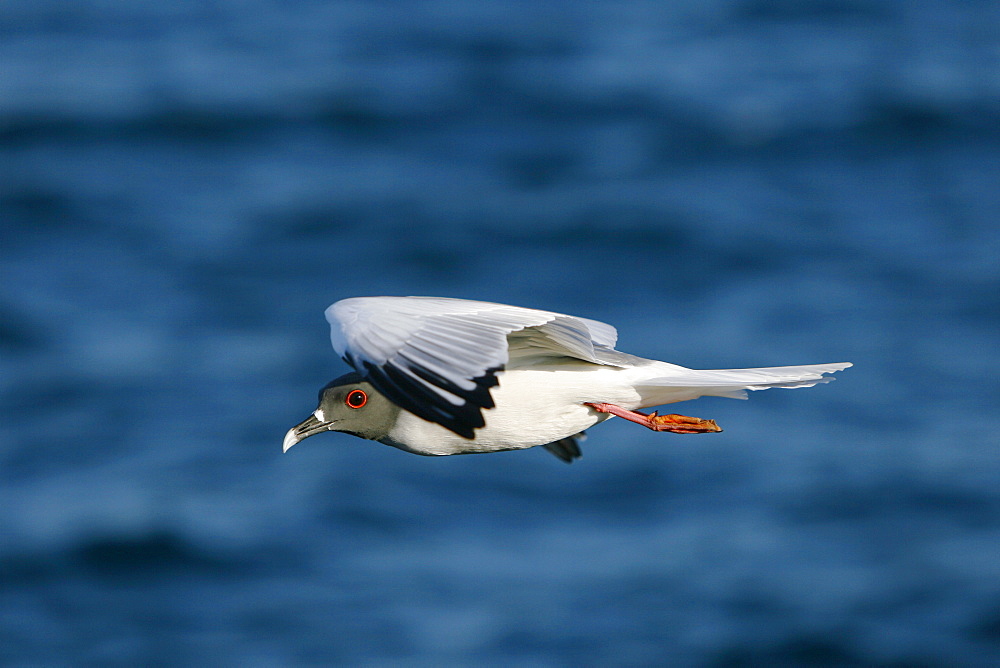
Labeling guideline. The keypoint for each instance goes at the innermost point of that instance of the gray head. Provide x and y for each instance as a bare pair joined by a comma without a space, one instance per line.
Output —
347,404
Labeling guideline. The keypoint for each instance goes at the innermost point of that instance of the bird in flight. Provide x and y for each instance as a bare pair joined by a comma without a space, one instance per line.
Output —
441,376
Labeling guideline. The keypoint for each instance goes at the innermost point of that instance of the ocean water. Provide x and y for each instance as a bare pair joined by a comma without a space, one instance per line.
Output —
184,187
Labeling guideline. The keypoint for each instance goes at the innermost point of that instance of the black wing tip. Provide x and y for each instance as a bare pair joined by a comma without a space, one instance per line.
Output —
567,449
412,391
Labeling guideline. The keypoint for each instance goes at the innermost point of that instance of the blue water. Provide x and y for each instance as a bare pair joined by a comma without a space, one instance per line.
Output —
184,187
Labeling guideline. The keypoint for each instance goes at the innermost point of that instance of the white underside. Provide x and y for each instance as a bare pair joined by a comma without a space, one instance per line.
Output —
533,407
541,403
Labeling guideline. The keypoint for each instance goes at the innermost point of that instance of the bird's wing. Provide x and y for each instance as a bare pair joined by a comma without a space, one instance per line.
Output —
567,449
438,358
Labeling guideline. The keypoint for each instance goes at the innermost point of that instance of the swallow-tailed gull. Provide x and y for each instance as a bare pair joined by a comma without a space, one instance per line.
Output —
439,376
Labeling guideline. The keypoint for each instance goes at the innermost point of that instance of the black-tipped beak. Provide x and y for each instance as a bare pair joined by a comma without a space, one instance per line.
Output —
311,425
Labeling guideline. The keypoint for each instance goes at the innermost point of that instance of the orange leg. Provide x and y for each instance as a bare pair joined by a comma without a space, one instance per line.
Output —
678,424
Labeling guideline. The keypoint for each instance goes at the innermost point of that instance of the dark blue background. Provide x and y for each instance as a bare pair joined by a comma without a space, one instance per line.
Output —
184,187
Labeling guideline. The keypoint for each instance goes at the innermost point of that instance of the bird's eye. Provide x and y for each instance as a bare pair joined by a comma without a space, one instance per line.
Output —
356,398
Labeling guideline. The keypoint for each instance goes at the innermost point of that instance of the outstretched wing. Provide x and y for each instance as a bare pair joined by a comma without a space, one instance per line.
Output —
567,449
438,358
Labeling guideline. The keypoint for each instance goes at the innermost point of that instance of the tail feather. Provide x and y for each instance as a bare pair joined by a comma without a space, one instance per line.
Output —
683,384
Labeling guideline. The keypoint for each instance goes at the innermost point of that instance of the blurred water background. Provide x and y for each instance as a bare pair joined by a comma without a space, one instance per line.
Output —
184,187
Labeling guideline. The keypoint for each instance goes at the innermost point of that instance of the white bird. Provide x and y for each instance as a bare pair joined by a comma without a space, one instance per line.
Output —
439,376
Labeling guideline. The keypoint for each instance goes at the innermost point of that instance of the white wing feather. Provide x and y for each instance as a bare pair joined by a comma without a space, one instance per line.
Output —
437,357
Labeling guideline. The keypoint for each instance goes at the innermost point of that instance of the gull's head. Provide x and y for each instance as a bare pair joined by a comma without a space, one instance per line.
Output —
347,404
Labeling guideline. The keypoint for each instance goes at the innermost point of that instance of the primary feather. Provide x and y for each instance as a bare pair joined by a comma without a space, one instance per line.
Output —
438,358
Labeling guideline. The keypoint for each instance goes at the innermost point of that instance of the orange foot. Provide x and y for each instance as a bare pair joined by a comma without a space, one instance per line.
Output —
678,424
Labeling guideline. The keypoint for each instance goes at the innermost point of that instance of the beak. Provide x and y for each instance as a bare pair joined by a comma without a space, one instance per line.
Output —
311,425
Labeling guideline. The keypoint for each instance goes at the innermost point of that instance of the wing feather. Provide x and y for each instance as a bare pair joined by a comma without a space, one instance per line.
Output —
438,358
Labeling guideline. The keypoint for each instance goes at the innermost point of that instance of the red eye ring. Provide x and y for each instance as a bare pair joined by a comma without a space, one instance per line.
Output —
356,399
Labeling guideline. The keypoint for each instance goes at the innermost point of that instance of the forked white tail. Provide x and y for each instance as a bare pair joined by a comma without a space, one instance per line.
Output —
681,384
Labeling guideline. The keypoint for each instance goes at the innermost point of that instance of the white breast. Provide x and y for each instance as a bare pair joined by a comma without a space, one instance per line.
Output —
534,406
